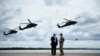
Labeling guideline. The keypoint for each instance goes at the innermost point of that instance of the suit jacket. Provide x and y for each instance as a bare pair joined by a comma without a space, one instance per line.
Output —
53,43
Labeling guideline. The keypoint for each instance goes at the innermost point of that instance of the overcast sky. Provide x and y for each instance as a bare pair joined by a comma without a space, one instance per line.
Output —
50,12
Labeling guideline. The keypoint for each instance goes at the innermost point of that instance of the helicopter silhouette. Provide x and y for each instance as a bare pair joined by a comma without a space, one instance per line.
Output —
76,39
11,31
29,25
68,23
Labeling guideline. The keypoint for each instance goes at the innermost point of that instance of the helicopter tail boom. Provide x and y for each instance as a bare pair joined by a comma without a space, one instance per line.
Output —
5,33
58,25
20,28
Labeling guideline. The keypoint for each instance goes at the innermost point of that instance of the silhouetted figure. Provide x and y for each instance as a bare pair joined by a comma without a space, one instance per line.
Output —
54,43
10,32
70,22
61,42
29,25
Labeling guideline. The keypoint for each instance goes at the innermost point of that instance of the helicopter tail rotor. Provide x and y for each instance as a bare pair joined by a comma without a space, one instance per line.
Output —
4,33
38,21
20,28
58,25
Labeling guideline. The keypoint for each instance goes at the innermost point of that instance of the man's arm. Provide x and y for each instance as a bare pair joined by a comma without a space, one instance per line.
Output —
61,40
57,41
51,39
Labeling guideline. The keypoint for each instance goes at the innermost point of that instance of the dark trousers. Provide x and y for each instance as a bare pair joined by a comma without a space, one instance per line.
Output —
53,50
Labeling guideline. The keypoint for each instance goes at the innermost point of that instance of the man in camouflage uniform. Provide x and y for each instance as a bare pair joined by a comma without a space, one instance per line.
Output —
61,41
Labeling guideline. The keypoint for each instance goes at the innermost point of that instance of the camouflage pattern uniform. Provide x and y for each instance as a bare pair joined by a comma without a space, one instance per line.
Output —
61,41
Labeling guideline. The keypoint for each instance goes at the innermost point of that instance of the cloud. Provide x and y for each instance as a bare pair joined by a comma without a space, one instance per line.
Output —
36,44
48,2
86,27
81,44
8,15
50,12
55,2
88,18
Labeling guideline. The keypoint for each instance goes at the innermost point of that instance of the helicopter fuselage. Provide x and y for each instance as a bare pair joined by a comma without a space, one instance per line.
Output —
71,23
10,32
31,25
67,24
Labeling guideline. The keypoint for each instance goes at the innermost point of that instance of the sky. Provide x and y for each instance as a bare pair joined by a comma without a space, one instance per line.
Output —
51,13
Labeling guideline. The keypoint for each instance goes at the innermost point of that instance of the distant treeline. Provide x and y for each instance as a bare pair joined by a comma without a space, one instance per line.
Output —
22,48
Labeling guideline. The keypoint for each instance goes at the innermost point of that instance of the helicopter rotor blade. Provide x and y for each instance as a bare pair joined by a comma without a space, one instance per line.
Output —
8,29
67,19
29,21
38,21
24,23
63,22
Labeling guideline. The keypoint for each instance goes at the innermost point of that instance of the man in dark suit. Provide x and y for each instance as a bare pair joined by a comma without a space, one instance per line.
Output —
54,43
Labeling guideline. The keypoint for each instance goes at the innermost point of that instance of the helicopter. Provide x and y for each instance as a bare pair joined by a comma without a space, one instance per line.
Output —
11,31
76,39
68,23
29,25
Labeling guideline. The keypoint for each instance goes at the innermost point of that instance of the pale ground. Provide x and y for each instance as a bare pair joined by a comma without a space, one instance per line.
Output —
48,53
